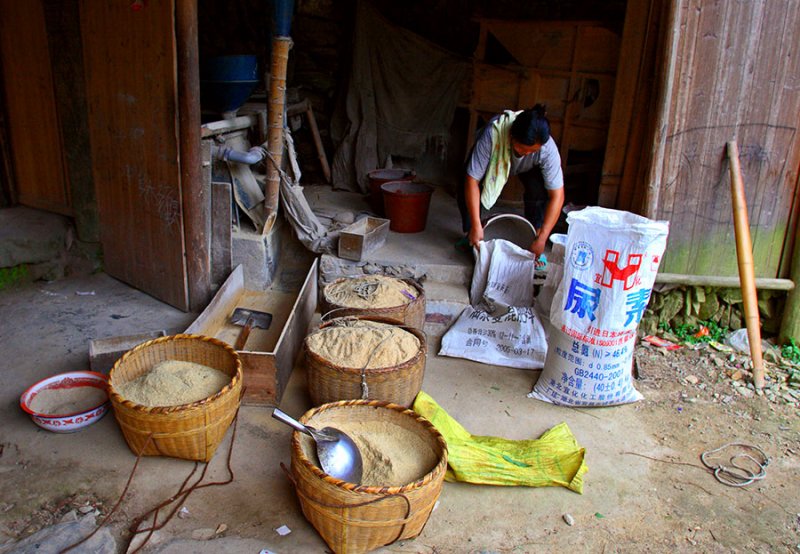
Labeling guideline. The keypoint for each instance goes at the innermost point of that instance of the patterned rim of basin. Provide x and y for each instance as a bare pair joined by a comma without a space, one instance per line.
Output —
66,423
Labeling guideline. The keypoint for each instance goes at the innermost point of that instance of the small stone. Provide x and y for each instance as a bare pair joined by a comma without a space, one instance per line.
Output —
183,513
727,399
69,516
736,375
719,362
138,541
205,534
693,379
221,528
85,509
569,520
744,391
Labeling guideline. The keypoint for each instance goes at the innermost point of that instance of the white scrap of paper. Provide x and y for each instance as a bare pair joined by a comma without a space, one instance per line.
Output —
283,530
266,551
86,293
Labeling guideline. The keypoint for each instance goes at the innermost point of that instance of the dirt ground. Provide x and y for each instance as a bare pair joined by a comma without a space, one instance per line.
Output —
691,406
646,489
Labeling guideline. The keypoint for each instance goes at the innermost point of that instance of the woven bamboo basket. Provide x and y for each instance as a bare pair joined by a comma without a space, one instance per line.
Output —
411,314
399,384
354,518
188,431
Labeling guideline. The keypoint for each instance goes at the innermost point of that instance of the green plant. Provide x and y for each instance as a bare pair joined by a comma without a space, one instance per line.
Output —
791,352
704,331
10,276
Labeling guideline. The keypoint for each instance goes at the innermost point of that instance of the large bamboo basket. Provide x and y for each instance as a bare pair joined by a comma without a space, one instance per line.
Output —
399,384
189,431
352,518
411,314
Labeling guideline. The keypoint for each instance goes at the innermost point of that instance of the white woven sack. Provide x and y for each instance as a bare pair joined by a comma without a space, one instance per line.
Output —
611,261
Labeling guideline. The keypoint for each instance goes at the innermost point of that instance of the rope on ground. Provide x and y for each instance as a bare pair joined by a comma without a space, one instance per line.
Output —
119,501
182,494
736,475
180,497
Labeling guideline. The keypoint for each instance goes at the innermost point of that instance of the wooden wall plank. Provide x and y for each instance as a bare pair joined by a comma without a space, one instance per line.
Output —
735,78
33,124
130,63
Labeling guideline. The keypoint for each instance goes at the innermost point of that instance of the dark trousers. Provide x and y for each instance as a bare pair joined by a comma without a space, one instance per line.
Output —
534,198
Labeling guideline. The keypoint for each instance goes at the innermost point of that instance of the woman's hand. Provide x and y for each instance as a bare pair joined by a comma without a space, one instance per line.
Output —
537,246
476,235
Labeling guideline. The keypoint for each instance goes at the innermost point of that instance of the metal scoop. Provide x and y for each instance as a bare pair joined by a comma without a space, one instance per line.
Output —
338,454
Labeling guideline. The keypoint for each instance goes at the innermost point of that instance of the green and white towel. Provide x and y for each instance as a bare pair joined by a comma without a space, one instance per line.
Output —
500,162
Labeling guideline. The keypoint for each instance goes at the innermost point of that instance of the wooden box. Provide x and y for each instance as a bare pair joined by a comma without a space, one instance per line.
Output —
268,355
362,237
103,353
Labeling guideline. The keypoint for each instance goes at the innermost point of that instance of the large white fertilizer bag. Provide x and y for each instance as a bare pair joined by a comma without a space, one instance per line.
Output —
610,264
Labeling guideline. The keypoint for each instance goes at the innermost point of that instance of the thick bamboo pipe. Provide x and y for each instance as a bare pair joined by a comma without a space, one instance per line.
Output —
275,121
744,255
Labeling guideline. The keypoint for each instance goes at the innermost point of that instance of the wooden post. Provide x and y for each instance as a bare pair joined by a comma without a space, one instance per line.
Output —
277,101
323,159
194,196
790,324
744,254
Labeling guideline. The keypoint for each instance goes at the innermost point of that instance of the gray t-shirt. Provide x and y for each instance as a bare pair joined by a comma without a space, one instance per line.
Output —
547,158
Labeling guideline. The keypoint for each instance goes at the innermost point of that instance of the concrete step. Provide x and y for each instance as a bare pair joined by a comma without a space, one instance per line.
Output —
444,303
29,236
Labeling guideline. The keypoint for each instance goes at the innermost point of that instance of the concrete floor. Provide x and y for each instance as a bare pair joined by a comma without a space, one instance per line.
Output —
46,328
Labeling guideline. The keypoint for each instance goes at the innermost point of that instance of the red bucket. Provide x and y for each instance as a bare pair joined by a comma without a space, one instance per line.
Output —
378,177
406,205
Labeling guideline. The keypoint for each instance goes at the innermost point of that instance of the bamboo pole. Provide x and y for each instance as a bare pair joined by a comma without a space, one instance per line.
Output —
744,255
275,117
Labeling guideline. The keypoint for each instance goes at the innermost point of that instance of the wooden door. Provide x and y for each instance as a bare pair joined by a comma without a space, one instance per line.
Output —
130,61
33,125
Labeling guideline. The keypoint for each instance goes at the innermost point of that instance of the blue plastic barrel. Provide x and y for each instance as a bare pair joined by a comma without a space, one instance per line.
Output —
226,82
